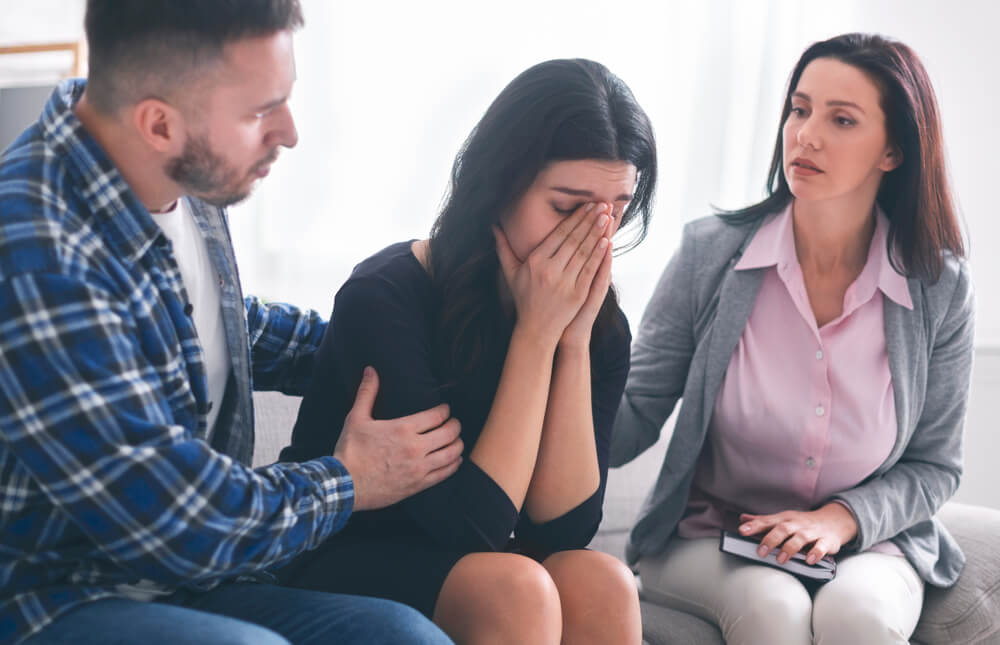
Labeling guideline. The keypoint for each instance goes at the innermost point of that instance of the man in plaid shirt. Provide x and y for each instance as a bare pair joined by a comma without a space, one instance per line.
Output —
128,510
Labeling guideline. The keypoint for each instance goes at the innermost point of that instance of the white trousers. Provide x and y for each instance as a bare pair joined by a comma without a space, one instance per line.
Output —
875,598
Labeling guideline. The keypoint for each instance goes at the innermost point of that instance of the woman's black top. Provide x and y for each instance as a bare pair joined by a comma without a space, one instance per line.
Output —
385,316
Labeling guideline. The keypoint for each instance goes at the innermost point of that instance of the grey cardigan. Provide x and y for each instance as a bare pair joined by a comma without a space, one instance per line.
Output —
688,333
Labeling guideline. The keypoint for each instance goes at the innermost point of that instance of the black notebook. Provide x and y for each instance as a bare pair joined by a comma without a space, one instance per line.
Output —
824,570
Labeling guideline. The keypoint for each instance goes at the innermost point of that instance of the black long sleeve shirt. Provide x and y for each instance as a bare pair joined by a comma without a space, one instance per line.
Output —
384,316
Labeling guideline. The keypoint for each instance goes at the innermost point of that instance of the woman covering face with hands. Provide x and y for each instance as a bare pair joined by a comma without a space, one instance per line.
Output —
822,343
506,313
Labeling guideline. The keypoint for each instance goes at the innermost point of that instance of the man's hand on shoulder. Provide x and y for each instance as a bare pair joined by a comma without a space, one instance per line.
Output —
390,460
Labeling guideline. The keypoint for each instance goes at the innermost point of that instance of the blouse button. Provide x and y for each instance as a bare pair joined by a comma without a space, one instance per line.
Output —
819,354
810,462
820,411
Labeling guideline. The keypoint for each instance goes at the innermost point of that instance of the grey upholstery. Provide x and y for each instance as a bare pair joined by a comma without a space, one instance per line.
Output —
965,614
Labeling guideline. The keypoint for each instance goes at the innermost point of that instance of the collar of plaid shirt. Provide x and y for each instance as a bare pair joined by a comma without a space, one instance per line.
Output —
129,231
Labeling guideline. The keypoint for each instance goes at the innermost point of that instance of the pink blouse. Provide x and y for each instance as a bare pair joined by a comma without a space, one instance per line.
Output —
803,412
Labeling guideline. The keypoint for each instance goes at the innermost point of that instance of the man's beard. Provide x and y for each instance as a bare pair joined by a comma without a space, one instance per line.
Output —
206,175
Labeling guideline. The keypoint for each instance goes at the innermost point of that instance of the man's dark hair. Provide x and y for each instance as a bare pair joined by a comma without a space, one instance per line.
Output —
146,48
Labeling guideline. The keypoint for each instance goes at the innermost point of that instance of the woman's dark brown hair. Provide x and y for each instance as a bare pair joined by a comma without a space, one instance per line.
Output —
916,196
555,111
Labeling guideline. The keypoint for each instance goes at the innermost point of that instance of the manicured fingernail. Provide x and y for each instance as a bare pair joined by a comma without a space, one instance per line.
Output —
762,550
601,222
745,528
589,208
602,243
811,559
782,557
602,208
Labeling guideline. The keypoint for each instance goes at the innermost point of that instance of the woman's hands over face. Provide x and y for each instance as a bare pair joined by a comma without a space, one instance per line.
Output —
827,529
558,289
577,333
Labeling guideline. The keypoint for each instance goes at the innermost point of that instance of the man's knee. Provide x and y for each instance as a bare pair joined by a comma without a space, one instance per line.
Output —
236,632
399,623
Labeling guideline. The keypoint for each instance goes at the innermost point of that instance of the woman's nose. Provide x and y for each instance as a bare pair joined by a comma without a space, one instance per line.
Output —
808,135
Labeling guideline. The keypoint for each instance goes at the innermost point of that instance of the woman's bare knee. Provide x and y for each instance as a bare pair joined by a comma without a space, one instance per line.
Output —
499,599
598,596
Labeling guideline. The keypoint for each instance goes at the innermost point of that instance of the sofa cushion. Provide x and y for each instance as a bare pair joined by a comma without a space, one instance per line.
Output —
274,416
969,612
662,626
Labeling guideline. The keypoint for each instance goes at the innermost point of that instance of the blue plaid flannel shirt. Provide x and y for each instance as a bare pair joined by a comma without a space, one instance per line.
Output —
106,475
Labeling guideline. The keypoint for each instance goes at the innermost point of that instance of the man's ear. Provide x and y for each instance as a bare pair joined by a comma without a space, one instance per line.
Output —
891,160
160,125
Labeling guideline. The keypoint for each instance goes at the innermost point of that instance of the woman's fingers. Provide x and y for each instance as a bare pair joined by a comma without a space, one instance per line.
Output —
596,277
583,264
555,239
821,548
774,538
792,532
791,546
752,524
581,241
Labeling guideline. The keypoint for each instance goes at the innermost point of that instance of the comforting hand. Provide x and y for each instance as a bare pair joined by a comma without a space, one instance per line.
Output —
827,529
393,459
552,284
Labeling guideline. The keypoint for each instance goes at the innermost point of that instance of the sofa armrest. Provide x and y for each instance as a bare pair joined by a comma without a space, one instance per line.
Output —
968,612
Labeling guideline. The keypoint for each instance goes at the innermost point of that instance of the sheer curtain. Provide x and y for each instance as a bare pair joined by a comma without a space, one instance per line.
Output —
387,92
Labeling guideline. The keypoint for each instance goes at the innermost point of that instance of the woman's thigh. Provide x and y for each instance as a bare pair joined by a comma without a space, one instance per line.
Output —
875,598
750,603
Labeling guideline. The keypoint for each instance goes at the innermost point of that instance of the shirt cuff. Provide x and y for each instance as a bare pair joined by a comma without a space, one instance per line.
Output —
336,488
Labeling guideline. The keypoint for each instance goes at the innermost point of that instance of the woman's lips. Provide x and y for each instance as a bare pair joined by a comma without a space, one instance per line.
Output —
804,167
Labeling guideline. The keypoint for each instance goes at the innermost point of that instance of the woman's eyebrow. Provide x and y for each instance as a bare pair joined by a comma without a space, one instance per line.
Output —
831,103
576,192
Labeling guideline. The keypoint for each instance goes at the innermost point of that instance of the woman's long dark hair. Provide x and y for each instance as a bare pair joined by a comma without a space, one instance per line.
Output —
555,111
916,196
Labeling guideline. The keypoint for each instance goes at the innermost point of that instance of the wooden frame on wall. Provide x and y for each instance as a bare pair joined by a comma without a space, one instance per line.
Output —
77,48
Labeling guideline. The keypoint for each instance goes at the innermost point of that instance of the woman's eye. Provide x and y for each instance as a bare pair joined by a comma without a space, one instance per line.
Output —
798,111
565,211
844,121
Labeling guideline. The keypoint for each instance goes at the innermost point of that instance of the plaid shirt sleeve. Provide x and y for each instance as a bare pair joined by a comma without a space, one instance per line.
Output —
85,411
283,341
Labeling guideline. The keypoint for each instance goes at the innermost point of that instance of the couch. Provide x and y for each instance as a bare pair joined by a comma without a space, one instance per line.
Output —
967,613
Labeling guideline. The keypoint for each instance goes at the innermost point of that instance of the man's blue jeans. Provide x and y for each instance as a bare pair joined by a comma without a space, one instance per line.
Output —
244,614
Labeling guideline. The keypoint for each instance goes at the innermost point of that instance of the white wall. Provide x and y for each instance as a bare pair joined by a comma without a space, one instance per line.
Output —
981,481
958,44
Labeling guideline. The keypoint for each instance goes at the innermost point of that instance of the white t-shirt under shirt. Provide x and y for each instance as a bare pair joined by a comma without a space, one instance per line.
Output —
202,284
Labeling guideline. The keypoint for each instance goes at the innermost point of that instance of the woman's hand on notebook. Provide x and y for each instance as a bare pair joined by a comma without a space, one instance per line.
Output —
826,530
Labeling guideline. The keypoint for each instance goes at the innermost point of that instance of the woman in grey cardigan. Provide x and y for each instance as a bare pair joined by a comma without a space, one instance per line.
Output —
821,341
